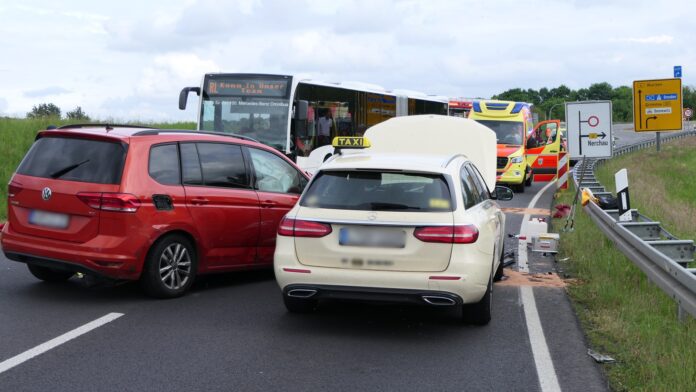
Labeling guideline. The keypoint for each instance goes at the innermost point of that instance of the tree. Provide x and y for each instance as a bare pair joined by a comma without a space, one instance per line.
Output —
599,91
77,114
44,110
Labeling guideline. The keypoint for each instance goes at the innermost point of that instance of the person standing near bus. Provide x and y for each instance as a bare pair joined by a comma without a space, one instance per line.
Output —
324,128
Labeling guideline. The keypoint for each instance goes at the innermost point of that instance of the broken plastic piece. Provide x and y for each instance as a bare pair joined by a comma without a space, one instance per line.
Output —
600,358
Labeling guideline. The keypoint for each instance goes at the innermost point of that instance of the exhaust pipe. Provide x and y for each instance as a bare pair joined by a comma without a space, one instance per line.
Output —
301,293
438,300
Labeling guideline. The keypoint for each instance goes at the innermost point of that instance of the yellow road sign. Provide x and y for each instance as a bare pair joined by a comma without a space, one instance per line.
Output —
657,105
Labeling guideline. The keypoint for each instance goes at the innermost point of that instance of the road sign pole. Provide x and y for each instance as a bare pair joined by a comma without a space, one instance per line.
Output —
657,140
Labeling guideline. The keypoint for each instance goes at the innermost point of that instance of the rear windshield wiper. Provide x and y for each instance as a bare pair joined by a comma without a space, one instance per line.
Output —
65,170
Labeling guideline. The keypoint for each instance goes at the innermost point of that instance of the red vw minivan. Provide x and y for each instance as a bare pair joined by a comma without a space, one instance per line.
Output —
159,206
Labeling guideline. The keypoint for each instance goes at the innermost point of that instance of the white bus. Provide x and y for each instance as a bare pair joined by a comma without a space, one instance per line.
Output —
297,116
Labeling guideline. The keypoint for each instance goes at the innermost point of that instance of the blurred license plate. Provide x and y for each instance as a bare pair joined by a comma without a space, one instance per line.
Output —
384,238
48,219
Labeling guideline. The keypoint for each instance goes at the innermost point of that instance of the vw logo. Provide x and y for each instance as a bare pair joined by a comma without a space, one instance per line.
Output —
46,193
371,216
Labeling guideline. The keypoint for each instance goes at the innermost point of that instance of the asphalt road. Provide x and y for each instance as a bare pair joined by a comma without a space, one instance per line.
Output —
625,134
232,333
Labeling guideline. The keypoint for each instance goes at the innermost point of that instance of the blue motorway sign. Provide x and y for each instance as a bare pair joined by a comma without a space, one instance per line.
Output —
677,71
661,97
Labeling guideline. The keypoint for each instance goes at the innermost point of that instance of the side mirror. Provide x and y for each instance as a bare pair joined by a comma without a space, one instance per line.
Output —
301,110
183,95
501,193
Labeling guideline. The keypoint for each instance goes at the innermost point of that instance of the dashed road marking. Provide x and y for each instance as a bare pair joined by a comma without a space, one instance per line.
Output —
55,342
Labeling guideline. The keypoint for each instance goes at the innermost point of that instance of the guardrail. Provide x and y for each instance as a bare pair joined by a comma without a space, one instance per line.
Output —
660,255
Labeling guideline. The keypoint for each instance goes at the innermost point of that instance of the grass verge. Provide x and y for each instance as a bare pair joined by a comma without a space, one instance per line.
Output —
624,315
17,135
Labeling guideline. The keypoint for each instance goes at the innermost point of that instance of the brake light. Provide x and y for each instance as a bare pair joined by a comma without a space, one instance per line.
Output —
300,228
117,202
460,234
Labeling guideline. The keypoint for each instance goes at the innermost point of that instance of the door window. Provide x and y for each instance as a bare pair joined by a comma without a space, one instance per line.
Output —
223,165
479,183
190,164
471,197
274,174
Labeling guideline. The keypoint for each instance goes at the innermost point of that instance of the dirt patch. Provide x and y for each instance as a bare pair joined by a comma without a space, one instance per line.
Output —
516,278
523,211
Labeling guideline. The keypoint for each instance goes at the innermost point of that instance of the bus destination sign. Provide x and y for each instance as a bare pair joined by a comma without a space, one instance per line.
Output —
248,87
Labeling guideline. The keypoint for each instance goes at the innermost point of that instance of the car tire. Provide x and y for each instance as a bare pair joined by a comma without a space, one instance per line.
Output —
299,305
479,313
170,267
49,274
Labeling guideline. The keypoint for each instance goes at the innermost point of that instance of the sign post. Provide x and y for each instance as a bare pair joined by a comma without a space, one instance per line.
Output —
589,129
657,105
677,71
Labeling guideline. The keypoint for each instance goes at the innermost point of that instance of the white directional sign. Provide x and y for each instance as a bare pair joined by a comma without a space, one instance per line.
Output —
589,129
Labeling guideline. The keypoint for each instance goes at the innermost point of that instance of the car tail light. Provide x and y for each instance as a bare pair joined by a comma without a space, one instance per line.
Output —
300,228
460,234
13,190
118,202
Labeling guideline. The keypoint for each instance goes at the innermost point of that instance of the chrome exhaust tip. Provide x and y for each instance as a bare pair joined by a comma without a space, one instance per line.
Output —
301,293
437,300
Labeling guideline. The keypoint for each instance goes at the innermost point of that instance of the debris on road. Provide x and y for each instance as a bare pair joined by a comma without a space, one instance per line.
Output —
516,278
600,358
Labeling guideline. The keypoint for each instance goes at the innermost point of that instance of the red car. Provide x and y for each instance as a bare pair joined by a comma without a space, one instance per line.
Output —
159,206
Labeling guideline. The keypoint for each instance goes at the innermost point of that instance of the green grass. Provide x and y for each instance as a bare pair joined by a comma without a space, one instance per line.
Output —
17,135
662,185
624,315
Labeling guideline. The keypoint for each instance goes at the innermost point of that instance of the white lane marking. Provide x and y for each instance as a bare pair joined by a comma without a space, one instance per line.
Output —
55,342
522,245
542,358
540,350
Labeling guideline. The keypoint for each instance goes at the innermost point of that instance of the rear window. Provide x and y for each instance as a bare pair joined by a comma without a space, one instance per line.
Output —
73,159
379,191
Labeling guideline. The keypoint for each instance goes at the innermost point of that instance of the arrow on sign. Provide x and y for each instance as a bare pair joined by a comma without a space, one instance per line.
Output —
648,119
595,135
640,108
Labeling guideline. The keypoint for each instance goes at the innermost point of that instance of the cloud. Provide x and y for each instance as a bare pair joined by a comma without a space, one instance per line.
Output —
47,91
170,72
3,105
655,39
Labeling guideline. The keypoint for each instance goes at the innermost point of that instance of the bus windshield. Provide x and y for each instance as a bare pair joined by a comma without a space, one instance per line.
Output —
506,132
247,106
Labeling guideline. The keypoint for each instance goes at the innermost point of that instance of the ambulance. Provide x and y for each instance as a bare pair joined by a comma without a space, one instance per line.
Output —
525,152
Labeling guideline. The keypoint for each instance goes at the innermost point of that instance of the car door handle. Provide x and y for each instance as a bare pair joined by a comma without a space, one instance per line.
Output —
267,204
199,201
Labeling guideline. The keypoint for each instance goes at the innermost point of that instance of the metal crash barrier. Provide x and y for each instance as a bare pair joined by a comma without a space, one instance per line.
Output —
661,256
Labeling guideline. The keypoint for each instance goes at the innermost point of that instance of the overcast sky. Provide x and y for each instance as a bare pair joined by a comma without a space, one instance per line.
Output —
128,60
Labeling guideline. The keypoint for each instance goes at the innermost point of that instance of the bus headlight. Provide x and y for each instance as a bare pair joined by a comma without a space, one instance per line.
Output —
519,159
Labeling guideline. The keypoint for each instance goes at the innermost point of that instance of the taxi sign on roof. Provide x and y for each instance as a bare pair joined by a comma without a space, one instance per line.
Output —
350,142
657,105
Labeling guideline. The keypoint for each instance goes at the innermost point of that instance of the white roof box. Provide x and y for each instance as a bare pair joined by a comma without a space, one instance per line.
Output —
437,135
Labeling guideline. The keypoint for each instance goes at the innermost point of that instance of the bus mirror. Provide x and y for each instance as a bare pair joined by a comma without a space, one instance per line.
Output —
301,110
183,95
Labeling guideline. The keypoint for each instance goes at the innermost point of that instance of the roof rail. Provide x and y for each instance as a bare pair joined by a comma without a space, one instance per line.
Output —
88,125
151,132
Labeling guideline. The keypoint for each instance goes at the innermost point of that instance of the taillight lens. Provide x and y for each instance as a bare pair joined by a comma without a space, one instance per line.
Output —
460,234
13,190
118,202
300,228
